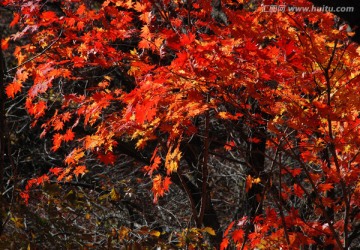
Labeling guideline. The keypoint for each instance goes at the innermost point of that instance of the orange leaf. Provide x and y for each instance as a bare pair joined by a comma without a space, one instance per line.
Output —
144,44
15,20
48,15
58,125
154,166
187,39
13,88
25,196
5,43
224,244
145,112
56,141
308,156
40,109
92,141
42,179
69,135
145,32
325,187
160,186
238,235
248,183
229,145
229,228
21,74
74,156
320,105
66,117
35,109
166,183
156,188
81,10
56,171
80,25
80,170
64,173
139,7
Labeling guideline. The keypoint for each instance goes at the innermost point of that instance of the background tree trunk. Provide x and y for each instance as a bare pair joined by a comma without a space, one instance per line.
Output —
2,135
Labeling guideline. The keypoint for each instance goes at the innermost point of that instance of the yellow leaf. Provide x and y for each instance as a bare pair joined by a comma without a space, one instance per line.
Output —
92,141
347,148
172,159
209,230
172,166
103,197
155,233
358,50
256,181
74,156
18,222
123,232
108,78
332,45
114,195
133,52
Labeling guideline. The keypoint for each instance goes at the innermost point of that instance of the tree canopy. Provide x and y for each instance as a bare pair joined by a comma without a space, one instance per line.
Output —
180,124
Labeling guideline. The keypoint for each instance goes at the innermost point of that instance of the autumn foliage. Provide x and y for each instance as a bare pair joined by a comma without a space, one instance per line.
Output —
189,83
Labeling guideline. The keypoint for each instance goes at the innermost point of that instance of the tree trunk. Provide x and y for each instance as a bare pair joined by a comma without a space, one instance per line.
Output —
2,136
191,151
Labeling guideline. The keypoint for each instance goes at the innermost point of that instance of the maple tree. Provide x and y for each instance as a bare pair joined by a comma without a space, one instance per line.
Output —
208,101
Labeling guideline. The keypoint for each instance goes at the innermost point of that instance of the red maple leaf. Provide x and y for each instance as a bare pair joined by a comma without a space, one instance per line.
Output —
108,158
298,191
